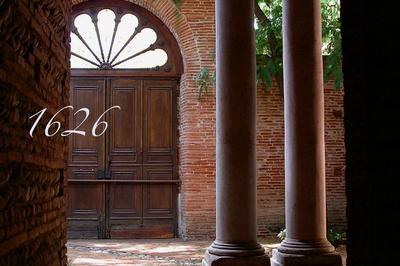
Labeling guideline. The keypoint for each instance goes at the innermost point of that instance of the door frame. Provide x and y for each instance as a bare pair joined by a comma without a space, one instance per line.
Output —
172,71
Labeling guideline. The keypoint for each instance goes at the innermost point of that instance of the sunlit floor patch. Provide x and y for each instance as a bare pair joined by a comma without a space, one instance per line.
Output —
147,252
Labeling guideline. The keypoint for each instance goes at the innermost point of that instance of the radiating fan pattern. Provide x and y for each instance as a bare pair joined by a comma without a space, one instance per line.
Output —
109,41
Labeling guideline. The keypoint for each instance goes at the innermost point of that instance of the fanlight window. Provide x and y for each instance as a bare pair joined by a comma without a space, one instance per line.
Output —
108,40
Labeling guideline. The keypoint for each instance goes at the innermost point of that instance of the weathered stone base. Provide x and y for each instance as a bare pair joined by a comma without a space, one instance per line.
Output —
327,259
214,260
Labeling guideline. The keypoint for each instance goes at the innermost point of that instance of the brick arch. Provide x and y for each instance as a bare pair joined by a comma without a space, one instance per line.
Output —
196,121
168,13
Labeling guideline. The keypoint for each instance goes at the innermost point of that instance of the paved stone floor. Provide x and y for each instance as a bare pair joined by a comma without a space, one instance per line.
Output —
146,252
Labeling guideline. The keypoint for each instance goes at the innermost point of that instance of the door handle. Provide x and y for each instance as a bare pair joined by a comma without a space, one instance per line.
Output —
100,174
107,174
103,174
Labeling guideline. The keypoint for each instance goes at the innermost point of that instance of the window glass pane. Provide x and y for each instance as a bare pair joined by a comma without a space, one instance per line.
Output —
79,48
87,30
125,30
149,59
141,42
77,62
106,24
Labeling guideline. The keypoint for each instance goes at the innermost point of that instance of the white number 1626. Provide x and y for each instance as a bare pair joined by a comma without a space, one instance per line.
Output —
57,124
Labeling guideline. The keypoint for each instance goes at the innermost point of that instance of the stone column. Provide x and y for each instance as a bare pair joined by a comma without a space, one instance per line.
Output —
236,237
306,242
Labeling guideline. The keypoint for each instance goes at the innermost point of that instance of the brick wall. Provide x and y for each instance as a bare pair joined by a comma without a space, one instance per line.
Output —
335,157
193,27
270,160
34,74
197,142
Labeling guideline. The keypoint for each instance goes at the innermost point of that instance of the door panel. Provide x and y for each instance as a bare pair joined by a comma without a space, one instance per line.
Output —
125,136
159,160
125,197
86,94
159,200
159,124
158,193
125,206
86,194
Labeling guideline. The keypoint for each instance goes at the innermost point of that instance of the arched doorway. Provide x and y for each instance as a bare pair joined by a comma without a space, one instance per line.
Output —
123,183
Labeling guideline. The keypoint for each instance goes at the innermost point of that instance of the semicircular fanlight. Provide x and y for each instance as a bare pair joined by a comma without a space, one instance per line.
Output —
109,41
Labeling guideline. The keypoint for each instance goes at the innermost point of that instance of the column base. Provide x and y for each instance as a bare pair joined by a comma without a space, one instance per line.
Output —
324,259
217,260
222,253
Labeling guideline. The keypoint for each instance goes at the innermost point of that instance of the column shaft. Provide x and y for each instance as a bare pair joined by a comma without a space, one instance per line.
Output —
304,139
236,226
304,121
236,113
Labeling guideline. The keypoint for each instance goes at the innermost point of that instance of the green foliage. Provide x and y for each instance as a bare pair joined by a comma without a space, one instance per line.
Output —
267,69
265,30
178,3
203,80
269,44
334,237
282,235
330,13
331,37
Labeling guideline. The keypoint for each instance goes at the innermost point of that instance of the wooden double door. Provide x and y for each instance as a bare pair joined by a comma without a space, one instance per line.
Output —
123,184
